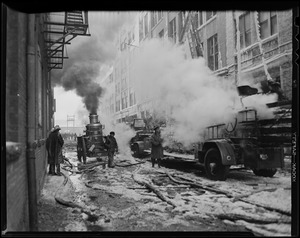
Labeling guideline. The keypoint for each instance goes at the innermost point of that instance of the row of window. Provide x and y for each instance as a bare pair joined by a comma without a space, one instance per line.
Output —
123,103
267,27
199,17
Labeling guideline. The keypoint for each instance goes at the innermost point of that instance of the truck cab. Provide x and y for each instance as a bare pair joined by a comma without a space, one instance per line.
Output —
141,141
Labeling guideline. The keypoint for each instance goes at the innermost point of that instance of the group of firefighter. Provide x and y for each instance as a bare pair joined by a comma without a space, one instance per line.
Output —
55,142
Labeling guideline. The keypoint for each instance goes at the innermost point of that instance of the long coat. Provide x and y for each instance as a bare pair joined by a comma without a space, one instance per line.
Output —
111,144
157,149
54,145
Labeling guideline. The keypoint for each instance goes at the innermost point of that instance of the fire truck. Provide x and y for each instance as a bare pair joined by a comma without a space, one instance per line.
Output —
248,141
140,143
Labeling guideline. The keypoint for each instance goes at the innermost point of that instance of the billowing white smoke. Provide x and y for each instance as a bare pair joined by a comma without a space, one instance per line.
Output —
123,132
185,88
259,101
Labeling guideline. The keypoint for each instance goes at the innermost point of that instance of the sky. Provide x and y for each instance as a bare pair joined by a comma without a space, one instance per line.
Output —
67,104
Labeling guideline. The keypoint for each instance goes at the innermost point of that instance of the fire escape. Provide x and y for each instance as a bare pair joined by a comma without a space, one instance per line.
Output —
60,29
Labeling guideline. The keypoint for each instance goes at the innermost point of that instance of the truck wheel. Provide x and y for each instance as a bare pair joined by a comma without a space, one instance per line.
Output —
214,168
264,172
136,150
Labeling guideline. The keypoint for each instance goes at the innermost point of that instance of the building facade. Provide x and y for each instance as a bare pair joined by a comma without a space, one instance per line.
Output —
235,44
29,103
31,48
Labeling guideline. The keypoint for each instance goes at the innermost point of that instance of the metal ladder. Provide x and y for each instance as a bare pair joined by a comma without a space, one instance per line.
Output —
192,37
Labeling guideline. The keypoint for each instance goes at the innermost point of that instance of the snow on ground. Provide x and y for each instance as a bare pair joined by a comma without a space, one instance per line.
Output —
190,204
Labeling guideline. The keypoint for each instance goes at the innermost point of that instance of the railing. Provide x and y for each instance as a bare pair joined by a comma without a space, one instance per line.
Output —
214,132
252,56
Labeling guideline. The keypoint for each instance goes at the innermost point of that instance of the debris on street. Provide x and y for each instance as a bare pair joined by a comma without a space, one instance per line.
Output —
142,198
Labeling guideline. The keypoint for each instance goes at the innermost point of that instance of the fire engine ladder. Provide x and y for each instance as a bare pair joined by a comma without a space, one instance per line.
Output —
192,36
192,44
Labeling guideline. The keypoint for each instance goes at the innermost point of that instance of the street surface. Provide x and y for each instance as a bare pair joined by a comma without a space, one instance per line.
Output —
114,199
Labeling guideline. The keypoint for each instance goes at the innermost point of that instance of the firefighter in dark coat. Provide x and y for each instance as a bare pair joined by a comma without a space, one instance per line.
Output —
54,145
156,149
112,147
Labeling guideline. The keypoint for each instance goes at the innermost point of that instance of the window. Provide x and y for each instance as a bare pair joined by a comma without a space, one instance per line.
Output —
267,24
111,79
159,15
245,30
118,88
146,24
198,19
112,108
161,33
117,105
131,98
154,18
123,83
172,29
124,99
212,52
141,29
210,14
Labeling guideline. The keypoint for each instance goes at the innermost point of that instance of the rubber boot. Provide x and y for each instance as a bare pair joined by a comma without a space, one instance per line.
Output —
153,162
58,170
111,161
158,162
51,169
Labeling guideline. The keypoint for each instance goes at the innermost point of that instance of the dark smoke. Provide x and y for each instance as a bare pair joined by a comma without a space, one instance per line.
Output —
80,77
88,58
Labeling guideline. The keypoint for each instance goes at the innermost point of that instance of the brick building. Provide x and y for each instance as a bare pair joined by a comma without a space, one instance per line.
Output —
33,45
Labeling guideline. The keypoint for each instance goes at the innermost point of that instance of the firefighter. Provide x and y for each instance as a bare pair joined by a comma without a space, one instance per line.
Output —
112,147
54,145
156,149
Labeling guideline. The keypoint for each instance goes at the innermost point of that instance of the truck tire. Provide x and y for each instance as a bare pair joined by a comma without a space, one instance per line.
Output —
265,172
136,150
214,168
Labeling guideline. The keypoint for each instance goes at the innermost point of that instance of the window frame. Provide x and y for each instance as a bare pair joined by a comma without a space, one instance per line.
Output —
163,33
173,36
213,47
244,30
271,30
208,17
